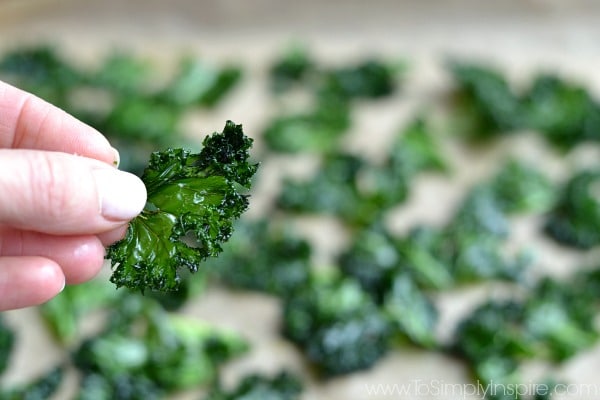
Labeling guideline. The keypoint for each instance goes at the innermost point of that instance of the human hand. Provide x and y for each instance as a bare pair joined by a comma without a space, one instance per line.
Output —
61,199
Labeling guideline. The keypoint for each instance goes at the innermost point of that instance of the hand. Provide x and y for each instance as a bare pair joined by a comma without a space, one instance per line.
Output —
61,199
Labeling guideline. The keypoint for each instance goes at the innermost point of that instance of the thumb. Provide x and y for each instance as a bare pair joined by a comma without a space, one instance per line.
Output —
59,193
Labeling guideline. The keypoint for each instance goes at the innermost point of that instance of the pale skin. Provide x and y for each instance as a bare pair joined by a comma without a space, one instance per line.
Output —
58,205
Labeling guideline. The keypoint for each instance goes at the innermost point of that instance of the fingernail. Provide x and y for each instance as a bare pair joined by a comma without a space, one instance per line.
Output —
63,286
117,158
122,195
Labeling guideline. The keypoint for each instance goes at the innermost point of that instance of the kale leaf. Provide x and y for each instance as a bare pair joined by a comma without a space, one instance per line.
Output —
7,341
41,388
575,220
190,196
283,386
336,324
146,350
264,256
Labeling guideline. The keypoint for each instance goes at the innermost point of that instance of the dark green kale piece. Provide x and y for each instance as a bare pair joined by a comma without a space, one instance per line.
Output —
575,219
318,129
199,83
188,194
7,341
551,321
337,325
41,388
521,188
264,256
414,150
43,71
412,314
333,91
564,112
95,386
484,97
293,67
562,318
63,314
282,386
144,348
370,79
372,259
359,191
333,190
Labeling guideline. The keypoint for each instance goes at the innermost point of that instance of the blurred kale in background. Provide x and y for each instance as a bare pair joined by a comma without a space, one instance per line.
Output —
380,293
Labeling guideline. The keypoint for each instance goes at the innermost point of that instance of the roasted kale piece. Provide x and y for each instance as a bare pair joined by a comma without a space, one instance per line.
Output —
337,325
332,190
369,78
188,193
564,112
493,340
264,256
42,71
561,318
332,92
144,346
519,188
411,313
282,386
95,386
291,68
575,220
7,341
358,191
199,83
64,314
552,322
41,388
484,97
319,129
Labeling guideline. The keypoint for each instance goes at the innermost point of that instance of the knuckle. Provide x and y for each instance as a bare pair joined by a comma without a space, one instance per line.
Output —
50,184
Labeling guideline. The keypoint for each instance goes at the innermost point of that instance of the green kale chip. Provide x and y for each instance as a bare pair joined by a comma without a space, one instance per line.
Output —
564,112
42,388
484,97
292,67
264,256
369,78
336,324
147,349
575,220
282,386
199,83
520,188
7,341
190,197
411,312
64,314
316,130
552,321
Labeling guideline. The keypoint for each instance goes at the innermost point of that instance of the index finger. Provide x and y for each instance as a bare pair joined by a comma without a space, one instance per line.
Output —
28,122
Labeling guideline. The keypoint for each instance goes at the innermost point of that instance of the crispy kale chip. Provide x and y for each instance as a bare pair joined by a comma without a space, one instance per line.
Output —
7,340
553,322
145,350
283,386
41,388
264,256
190,197
521,188
485,100
575,220
336,324
564,112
